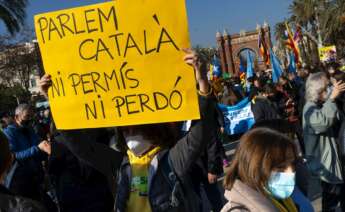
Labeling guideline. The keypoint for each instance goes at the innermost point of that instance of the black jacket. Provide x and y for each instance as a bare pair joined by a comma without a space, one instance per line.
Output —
211,158
162,194
76,183
11,203
264,109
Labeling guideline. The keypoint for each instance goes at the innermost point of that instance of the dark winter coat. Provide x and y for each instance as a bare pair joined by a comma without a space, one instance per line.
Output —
76,183
264,109
11,203
169,181
28,174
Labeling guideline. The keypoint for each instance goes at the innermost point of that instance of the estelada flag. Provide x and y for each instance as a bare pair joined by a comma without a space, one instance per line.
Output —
298,34
263,47
292,44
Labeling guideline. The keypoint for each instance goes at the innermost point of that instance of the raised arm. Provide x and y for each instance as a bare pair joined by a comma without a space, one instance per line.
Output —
189,148
82,143
321,119
30,152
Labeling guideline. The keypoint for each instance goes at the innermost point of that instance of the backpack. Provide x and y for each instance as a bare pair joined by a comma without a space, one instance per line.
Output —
182,195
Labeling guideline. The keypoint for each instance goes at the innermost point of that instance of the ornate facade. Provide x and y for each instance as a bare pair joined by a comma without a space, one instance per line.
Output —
231,46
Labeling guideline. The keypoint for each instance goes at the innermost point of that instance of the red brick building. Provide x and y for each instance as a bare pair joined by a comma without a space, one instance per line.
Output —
232,47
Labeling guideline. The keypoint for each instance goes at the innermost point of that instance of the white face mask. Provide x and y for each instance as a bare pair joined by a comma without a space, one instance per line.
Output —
137,144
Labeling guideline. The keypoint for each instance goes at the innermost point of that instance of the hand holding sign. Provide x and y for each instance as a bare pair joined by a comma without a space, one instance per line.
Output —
200,68
45,82
109,68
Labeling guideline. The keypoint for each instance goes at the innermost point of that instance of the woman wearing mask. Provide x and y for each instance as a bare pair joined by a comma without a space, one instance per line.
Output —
320,115
153,175
262,174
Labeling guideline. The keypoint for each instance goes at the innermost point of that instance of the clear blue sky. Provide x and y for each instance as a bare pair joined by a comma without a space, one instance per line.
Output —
205,16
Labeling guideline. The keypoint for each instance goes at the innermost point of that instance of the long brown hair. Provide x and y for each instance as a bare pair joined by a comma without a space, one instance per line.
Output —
260,151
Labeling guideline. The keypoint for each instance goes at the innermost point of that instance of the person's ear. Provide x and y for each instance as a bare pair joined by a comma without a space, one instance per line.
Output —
17,118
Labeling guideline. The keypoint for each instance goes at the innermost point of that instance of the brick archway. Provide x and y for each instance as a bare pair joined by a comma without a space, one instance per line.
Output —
237,56
229,47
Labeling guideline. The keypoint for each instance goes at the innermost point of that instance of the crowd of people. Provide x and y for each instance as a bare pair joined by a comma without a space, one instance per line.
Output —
299,133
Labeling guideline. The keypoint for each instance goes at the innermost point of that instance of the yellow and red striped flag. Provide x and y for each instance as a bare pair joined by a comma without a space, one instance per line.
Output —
292,44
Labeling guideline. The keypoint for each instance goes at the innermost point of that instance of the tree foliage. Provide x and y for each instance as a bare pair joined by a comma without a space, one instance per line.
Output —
13,14
327,16
206,54
18,61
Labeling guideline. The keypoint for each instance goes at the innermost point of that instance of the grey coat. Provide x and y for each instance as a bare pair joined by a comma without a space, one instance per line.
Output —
321,148
242,198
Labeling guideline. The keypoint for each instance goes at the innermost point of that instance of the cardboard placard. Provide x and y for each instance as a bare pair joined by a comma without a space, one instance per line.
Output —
118,63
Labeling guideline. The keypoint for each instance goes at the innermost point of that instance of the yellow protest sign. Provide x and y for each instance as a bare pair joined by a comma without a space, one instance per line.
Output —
118,63
328,53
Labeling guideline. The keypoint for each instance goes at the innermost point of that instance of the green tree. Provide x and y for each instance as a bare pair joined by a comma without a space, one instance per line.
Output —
279,34
10,97
333,25
323,23
18,59
13,14
305,13
206,54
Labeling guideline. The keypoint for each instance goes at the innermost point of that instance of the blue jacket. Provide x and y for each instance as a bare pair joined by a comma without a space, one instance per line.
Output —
23,142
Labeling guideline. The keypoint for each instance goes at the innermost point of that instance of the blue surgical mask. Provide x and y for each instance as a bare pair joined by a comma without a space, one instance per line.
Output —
281,184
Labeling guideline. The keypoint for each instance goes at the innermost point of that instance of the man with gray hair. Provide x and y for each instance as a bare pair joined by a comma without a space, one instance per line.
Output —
28,151
320,116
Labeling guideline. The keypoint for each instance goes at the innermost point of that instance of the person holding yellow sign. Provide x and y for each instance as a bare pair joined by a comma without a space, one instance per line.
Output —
151,168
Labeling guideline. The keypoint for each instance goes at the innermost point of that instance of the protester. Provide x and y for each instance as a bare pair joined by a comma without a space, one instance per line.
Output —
287,99
75,182
220,134
262,174
255,88
340,101
332,69
342,64
288,129
205,173
264,105
5,120
303,75
154,173
319,130
27,174
230,96
209,167
40,129
9,201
